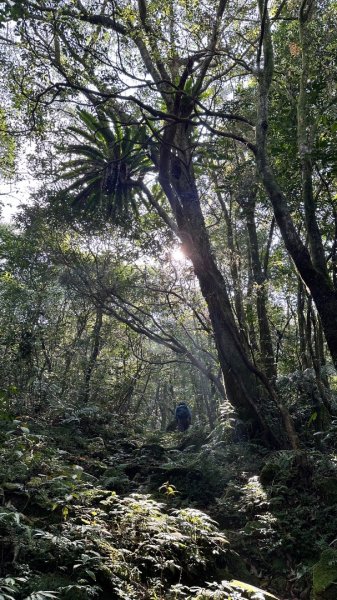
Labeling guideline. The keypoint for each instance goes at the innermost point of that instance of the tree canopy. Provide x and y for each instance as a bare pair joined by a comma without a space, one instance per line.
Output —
204,118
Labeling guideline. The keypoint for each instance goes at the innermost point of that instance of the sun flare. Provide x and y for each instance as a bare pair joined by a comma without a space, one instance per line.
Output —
177,255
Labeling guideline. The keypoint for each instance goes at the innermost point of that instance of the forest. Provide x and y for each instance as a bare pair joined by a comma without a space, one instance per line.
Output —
172,168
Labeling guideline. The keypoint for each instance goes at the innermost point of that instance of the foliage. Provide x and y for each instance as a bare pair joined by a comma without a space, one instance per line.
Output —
325,575
271,513
134,90
79,324
64,534
7,148
102,164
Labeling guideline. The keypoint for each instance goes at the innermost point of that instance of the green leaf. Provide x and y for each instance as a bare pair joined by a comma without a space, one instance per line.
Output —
251,588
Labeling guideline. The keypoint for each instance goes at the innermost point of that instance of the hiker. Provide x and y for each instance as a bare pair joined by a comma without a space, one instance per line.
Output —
183,416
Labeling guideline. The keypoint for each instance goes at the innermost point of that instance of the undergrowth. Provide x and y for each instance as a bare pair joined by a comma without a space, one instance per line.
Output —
96,511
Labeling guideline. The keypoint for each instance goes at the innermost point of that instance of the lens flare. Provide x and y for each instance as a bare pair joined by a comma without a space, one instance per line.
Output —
177,255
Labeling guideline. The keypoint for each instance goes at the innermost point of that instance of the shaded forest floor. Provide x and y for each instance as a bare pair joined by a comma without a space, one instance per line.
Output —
93,509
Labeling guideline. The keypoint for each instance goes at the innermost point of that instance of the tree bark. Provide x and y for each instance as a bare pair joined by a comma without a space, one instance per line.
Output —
304,136
302,327
238,302
93,355
266,345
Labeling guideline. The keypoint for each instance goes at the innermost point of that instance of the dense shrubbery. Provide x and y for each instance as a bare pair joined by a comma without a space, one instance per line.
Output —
64,535
78,520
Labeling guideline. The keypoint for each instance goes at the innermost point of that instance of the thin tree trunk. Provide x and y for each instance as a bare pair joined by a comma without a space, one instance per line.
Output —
250,313
304,357
70,352
93,355
142,394
321,352
304,135
266,344
238,302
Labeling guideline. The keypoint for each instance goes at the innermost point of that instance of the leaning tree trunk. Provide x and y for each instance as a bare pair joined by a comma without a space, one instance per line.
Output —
310,265
253,401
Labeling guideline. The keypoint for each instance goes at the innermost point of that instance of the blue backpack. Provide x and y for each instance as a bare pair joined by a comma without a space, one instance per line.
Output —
183,416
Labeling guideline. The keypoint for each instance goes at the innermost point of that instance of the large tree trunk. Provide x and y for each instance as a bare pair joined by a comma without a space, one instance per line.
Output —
253,400
249,397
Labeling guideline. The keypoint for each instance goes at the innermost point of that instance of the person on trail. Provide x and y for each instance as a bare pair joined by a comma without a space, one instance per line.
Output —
183,416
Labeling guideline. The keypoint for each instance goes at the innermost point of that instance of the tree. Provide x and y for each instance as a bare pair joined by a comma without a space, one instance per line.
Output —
310,261
146,300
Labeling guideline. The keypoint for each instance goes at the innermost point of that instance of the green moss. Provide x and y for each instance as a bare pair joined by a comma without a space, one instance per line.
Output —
325,576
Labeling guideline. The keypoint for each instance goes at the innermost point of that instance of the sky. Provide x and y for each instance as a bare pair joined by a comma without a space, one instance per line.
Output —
11,196
15,192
